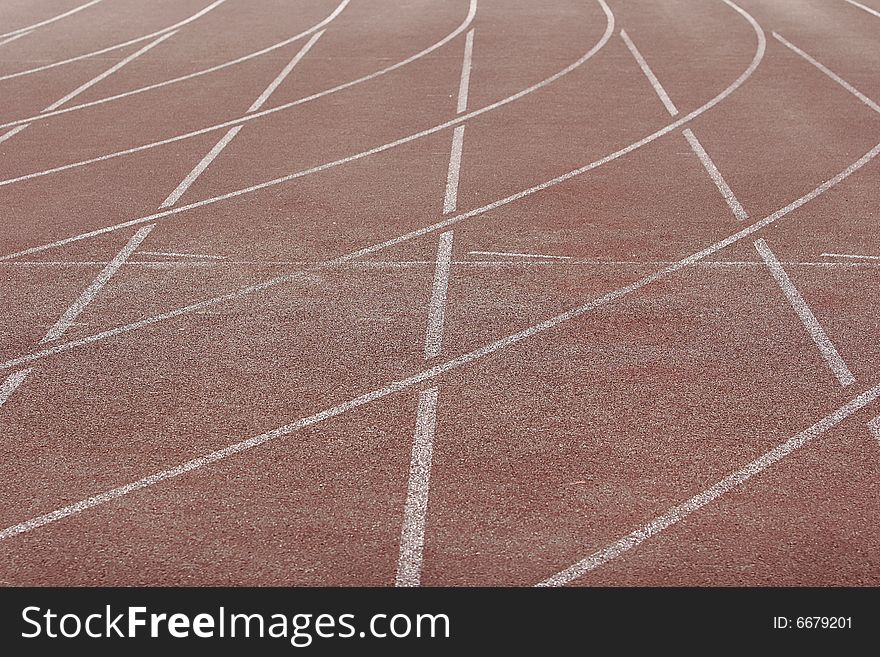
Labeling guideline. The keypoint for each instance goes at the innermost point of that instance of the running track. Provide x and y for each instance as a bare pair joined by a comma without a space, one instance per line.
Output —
471,292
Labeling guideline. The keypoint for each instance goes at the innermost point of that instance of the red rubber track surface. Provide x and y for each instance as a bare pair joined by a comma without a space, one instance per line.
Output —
547,449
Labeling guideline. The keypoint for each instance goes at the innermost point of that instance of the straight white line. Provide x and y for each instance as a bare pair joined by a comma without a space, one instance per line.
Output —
171,254
732,202
117,46
437,307
253,55
11,384
412,535
400,385
451,199
11,133
682,511
831,74
215,261
846,255
198,169
874,428
464,84
352,158
520,255
30,28
258,103
829,352
867,9
97,285
206,161
110,71
13,38
661,92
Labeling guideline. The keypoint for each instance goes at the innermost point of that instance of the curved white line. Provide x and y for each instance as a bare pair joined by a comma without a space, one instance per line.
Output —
145,37
432,373
756,60
247,117
189,76
70,12
259,287
397,386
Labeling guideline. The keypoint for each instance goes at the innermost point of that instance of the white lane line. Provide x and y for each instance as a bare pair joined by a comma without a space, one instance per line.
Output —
11,384
827,349
450,201
520,255
437,307
206,161
11,133
258,103
464,84
732,202
846,255
375,248
258,53
867,9
29,28
13,38
661,92
831,74
117,46
415,513
354,255
329,165
215,261
404,384
110,71
682,511
197,171
874,428
83,87
97,285
171,254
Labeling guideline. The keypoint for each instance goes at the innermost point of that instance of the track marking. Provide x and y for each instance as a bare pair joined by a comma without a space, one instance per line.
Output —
258,103
11,384
826,348
354,255
874,428
844,255
403,384
519,255
25,30
118,46
658,88
170,254
329,165
95,80
732,202
11,133
110,71
831,74
206,161
412,536
97,285
437,307
451,199
13,38
197,171
464,83
682,511
259,53
867,9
